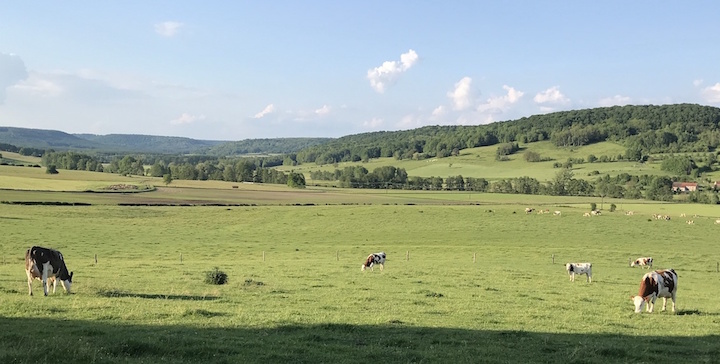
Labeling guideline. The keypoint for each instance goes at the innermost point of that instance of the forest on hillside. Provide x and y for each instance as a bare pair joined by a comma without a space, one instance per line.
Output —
644,129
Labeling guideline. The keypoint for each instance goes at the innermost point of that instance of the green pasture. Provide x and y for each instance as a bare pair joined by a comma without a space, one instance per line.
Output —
462,283
481,163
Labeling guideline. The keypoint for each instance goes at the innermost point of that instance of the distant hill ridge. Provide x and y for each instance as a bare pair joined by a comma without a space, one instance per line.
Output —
152,144
642,128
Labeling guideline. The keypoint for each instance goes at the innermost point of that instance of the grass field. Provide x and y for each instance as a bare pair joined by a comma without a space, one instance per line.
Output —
469,277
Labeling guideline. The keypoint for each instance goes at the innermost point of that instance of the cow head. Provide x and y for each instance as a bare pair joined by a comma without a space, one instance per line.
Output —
67,283
639,302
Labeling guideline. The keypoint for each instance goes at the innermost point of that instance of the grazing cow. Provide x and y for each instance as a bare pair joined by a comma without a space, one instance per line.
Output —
579,268
630,213
587,214
660,283
373,259
690,222
717,221
682,215
529,210
47,264
595,213
557,213
643,262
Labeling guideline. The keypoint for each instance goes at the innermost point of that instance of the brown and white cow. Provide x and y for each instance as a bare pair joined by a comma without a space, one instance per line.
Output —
643,262
47,264
579,268
660,283
374,259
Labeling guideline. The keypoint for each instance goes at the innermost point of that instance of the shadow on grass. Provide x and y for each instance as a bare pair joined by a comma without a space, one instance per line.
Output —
393,342
156,296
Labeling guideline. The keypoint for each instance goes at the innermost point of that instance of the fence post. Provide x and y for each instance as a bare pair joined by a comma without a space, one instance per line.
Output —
95,259
407,255
553,258
180,258
717,267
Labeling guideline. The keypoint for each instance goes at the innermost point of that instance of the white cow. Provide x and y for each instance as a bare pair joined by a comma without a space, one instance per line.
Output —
557,213
374,259
47,264
579,268
643,262
660,283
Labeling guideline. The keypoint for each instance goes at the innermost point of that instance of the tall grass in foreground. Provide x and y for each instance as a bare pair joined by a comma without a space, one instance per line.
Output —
295,292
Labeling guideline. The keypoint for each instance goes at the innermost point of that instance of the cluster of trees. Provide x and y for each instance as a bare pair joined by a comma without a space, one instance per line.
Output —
564,183
72,161
645,129
35,152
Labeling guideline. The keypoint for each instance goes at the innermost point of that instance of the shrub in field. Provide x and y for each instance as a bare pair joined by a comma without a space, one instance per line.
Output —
216,276
593,206
612,207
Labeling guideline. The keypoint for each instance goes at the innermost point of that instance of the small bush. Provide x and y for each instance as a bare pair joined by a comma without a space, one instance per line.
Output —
216,276
593,206
612,207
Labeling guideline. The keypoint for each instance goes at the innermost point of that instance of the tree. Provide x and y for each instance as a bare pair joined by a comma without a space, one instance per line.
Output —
51,169
167,179
296,180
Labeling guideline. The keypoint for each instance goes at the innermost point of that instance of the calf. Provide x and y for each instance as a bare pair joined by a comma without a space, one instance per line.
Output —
579,268
643,262
373,259
660,283
47,264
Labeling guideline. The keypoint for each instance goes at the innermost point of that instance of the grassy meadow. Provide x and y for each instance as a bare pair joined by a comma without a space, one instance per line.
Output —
469,277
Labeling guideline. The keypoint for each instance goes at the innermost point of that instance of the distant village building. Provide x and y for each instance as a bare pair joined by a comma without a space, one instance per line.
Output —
680,187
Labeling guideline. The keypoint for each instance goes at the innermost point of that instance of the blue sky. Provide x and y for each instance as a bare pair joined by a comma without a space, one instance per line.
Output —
236,70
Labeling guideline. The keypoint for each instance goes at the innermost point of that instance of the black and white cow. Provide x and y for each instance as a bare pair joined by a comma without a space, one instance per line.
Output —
47,264
579,268
660,283
373,259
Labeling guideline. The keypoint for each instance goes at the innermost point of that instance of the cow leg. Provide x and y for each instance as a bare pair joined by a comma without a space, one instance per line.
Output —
54,281
589,278
382,266
29,276
651,305
673,302
664,303
45,288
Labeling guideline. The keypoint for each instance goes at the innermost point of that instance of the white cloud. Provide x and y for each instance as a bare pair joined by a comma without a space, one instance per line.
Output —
616,100
499,104
168,28
186,118
460,96
551,95
267,110
373,123
438,111
39,86
12,71
323,110
712,93
389,71
697,82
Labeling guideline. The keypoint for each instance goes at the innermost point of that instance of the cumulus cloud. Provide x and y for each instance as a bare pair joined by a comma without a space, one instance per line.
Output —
373,123
438,111
387,73
267,110
12,71
551,96
697,82
168,28
712,93
616,100
323,110
499,104
460,96
186,118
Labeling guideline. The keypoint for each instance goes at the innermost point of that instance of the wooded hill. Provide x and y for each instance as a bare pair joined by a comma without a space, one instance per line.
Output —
643,129
149,144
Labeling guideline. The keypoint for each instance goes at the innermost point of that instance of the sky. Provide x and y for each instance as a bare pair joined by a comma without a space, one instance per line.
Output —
235,70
